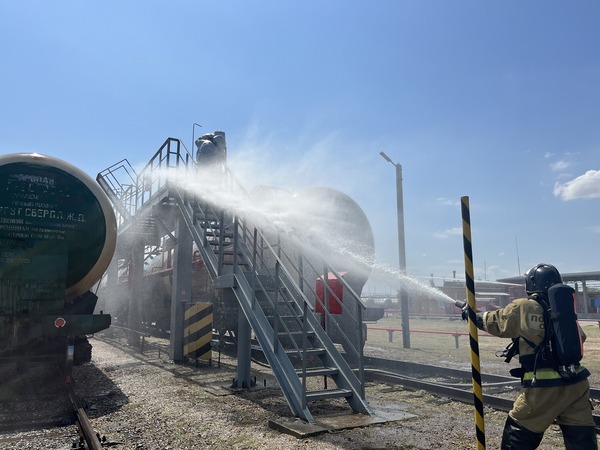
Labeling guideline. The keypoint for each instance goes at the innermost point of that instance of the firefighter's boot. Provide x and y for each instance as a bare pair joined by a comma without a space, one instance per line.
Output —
579,437
516,437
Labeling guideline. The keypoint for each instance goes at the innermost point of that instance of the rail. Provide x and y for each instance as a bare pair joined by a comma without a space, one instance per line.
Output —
86,430
394,372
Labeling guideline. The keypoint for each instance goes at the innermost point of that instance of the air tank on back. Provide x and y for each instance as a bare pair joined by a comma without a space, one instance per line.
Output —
57,237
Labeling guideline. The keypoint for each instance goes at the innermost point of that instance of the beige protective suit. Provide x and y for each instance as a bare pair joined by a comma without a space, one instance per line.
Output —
550,397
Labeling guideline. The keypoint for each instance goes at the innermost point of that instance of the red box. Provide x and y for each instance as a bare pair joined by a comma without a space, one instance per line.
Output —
336,290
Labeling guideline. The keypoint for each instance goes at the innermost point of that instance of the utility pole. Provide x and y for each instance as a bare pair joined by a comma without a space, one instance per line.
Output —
402,294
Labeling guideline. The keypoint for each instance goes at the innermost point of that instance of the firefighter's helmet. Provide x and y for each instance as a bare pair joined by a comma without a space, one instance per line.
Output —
541,277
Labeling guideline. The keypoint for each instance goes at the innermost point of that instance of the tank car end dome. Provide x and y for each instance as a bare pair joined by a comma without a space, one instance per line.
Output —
59,211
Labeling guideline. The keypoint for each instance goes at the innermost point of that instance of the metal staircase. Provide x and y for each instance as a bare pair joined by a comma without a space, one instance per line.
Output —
270,277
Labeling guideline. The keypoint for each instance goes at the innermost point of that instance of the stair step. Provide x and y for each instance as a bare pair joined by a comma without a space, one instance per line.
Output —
319,372
206,225
207,218
288,308
308,351
239,263
231,253
287,317
292,322
215,240
214,232
295,334
328,393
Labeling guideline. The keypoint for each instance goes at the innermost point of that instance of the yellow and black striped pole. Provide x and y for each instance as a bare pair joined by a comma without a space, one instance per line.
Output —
473,336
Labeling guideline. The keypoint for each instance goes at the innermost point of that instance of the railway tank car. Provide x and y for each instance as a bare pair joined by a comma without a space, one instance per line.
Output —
57,237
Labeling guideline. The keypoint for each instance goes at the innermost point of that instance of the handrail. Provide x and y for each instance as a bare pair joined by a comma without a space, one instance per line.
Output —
119,190
298,295
263,256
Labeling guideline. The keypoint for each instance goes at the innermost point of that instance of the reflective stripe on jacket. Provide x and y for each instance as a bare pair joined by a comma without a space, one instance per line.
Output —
550,377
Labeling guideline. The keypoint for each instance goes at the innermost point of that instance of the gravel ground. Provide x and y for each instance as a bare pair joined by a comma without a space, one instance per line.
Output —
143,401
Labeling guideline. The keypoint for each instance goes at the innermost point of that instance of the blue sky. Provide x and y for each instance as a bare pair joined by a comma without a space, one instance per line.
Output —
497,101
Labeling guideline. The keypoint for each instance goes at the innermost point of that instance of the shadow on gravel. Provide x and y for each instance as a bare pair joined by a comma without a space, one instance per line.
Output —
99,394
33,395
217,378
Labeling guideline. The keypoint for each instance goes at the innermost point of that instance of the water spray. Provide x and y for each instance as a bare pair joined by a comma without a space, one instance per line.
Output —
332,235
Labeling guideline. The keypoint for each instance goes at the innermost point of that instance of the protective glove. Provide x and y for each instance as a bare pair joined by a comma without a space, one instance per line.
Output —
478,318
479,321
464,314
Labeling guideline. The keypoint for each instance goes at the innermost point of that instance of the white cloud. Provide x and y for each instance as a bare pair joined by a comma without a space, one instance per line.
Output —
444,234
596,229
447,201
547,155
559,165
584,186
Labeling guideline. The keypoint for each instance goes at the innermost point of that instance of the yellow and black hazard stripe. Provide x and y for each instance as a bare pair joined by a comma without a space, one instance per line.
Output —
197,332
473,336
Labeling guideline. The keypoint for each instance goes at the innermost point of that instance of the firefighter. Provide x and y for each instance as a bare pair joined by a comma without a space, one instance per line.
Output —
545,395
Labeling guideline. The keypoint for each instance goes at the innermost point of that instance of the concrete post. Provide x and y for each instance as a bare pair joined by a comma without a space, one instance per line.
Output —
402,293
586,299
136,273
243,363
181,289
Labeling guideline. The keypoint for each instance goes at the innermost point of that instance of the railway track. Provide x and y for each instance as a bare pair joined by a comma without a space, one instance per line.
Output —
89,438
37,405
451,383
444,381
456,384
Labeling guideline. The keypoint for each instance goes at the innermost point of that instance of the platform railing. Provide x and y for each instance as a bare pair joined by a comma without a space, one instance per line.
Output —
130,190
157,173
119,182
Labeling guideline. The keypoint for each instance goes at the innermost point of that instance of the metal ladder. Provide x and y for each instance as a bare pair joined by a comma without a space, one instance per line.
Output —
272,286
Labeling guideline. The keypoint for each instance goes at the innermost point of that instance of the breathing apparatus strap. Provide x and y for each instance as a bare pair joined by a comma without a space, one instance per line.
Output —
510,351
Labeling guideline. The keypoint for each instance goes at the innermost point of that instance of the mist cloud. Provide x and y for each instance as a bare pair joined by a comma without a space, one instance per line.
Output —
584,186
